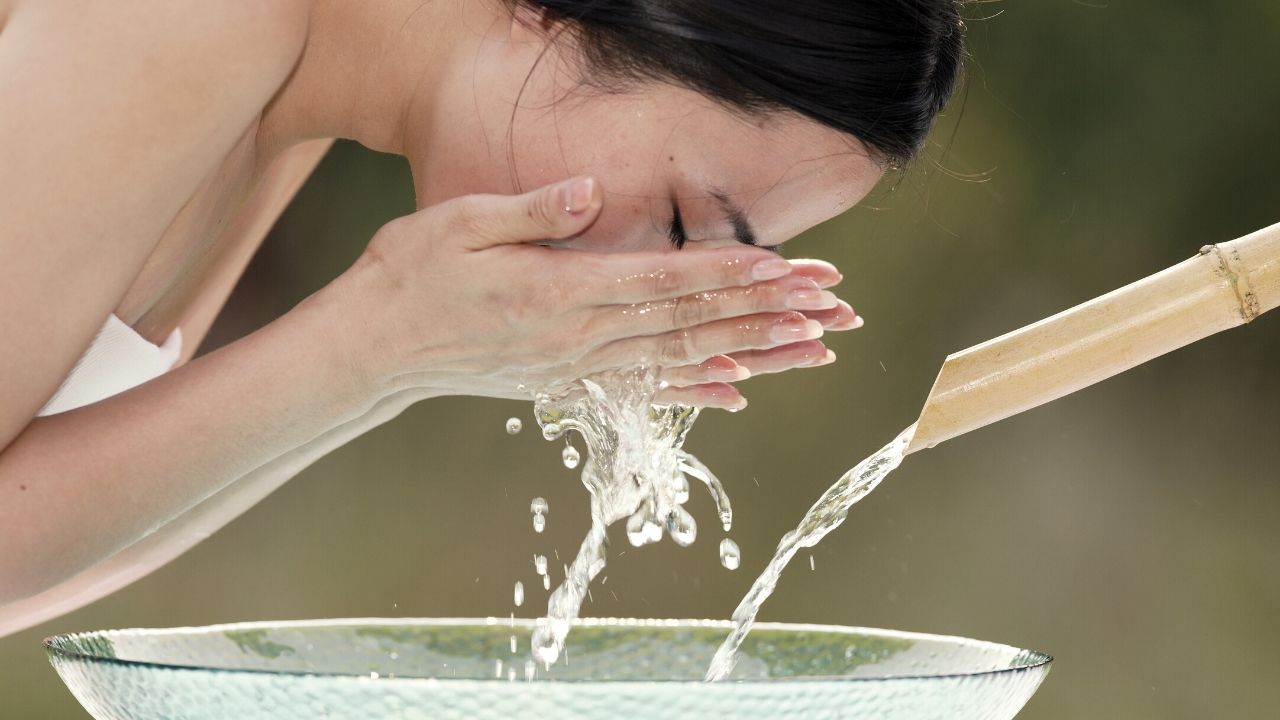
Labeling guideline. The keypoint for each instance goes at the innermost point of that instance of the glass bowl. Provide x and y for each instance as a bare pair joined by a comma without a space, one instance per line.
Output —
465,668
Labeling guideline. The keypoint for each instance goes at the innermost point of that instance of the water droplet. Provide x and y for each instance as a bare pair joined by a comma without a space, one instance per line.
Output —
570,456
681,526
394,655
642,530
539,507
514,425
497,668
681,484
546,582
540,564
519,593
730,555
513,643
373,676
811,568
530,669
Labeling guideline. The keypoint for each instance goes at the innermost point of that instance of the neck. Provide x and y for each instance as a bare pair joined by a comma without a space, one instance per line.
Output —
365,67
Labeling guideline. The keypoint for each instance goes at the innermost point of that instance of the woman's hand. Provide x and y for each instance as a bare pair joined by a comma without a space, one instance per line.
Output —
708,384
460,298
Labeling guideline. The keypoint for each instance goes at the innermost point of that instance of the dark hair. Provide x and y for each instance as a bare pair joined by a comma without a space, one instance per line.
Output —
879,70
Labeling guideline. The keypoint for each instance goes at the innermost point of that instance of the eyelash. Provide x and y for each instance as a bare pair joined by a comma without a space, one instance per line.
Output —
675,228
678,236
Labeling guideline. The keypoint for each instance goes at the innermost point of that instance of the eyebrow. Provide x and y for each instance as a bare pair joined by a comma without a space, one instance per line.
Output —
742,230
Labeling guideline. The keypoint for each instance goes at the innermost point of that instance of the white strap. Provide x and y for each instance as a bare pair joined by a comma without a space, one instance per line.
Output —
117,359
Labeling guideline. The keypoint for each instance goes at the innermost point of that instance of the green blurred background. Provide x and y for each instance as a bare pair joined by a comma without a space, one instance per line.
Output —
1132,530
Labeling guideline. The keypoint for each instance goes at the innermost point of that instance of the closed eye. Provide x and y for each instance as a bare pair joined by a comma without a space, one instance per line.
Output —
741,229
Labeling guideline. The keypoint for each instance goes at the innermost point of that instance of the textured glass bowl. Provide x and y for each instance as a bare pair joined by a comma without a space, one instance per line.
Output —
461,668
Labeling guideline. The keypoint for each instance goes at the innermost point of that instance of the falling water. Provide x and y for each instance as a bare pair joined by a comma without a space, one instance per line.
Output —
730,555
826,514
539,508
634,468
570,456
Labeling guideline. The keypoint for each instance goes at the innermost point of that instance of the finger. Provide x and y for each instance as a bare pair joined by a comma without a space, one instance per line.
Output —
650,318
820,271
707,395
718,368
810,353
693,345
645,277
548,213
841,317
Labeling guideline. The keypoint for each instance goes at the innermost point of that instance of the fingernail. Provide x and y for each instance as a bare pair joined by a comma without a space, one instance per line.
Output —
811,299
789,331
825,359
857,322
576,195
733,374
770,269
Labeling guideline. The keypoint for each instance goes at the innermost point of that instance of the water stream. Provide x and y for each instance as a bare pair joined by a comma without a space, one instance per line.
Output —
635,468
826,515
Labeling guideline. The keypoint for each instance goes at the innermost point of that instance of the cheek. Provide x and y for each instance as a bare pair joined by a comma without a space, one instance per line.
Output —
443,177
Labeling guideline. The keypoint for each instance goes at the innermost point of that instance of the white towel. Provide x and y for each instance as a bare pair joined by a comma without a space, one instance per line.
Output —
117,359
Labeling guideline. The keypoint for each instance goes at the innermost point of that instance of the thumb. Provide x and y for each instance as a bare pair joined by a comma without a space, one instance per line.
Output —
551,212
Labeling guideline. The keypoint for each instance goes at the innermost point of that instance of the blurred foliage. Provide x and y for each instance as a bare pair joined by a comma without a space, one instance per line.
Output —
1130,529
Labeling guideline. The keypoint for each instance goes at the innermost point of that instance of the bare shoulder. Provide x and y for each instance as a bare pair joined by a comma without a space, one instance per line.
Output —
237,31
120,110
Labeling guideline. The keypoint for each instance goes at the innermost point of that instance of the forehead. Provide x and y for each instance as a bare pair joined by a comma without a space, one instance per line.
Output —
663,142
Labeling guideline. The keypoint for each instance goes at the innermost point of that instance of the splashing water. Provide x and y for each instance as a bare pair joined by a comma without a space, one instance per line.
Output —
634,468
514,425
570,456
826,515
730,555
539,508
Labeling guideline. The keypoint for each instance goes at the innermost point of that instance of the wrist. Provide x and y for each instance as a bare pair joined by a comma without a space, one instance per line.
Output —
363,353
341,345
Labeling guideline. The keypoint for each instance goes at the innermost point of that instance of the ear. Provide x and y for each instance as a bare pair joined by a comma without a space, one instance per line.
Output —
530,23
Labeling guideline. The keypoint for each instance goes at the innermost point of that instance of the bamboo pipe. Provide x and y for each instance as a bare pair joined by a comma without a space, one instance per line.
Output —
1223,286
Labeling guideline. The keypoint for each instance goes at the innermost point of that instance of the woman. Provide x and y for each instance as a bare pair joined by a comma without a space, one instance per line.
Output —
147,145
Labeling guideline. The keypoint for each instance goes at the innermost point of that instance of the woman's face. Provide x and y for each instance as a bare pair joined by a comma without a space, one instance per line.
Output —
656,150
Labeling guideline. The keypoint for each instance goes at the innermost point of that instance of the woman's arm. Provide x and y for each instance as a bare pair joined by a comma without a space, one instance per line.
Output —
241,238
190,528
82,485
452,299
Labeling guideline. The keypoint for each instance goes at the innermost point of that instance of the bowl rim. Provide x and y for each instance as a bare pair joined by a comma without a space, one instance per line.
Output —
51,646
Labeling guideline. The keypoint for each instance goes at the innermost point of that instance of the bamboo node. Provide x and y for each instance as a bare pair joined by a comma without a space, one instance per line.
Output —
1230,267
